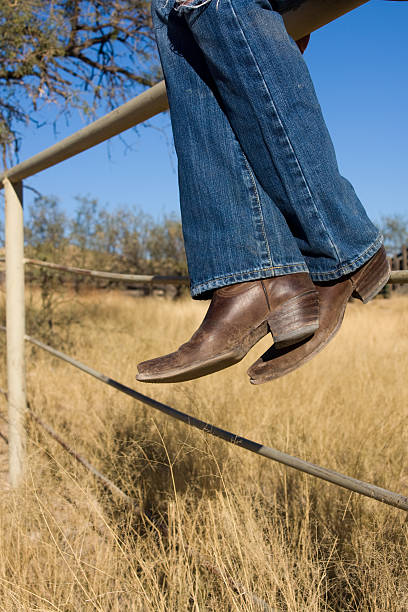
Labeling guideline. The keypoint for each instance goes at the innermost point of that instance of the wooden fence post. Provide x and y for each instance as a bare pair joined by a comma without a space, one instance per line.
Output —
404,251
15,316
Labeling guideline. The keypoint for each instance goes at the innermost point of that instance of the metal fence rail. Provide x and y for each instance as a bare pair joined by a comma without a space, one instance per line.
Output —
398,277
139,109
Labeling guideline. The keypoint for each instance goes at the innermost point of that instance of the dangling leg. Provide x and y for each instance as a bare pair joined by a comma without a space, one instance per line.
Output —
238,244
264,88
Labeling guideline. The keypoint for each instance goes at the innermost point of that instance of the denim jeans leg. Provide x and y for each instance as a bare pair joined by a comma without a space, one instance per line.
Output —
267,94
233,230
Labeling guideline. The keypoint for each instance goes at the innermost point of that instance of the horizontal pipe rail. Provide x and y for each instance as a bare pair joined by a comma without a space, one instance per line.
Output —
141,108
347,482
314,14
129,278
398,277
311,15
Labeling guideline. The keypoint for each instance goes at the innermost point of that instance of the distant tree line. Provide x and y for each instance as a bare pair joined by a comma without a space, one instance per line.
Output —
125,240
395,232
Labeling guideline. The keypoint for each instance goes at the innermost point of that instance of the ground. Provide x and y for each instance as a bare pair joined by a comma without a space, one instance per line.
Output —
215,527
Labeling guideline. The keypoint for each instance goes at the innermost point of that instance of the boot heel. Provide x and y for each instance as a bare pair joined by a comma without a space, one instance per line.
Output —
369,282
295,320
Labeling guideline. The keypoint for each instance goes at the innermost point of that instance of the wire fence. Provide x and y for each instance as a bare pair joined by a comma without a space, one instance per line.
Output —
107,482
204,562
127,278
347,482
397,277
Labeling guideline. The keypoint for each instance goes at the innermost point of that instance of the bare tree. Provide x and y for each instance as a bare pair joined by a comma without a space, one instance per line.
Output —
85,54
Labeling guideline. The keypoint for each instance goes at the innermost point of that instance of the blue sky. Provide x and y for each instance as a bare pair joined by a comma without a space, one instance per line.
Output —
359,66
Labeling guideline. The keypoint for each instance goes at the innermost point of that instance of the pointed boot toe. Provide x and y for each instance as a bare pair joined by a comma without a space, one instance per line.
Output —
238,317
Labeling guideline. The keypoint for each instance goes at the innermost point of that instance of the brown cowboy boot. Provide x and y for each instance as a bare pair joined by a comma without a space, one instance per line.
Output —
364,284
238,317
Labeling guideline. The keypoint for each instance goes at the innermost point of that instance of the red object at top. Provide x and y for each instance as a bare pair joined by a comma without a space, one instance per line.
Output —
303,42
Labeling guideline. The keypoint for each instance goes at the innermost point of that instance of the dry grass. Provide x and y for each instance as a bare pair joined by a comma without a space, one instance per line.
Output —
218,522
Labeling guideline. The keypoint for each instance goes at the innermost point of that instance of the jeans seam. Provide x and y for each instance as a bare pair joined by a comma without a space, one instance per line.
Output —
258,201
286,136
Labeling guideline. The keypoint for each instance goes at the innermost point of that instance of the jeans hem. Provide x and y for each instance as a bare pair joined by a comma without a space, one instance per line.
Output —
351,266
239,277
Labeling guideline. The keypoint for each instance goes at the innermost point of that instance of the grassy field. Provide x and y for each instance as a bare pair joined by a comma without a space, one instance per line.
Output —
220,529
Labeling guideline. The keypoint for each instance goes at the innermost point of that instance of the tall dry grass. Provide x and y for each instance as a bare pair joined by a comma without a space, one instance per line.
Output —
218,524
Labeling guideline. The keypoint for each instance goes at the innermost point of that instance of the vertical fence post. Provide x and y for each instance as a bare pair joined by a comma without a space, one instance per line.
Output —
15,317
404,251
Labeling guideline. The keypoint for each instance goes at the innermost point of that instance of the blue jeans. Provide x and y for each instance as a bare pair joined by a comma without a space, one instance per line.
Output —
260,190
